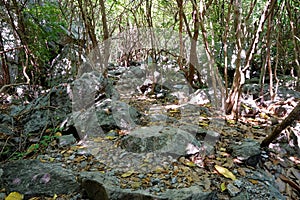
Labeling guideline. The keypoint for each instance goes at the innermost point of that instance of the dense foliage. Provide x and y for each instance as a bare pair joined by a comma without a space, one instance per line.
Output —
241,39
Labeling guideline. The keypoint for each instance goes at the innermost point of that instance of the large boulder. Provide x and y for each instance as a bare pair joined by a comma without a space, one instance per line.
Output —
105,116
91,87
34,178
159,139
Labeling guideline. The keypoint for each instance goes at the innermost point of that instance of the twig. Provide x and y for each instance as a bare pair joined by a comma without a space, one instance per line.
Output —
6,141
10,85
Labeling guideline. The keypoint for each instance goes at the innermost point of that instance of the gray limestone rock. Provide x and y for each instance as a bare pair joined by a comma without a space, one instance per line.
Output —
105,116
34,178
66,140
245,149
159,139
107,188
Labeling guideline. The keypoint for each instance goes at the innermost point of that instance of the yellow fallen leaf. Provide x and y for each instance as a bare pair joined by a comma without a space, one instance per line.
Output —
42,160
264,115
231,121
253,181
127,174
58,134
225,172
190,164
14,196
202,124
174,111
110,137
223,187
222,149
54,197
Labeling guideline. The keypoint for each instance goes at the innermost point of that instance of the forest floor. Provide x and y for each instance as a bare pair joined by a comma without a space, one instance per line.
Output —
220,171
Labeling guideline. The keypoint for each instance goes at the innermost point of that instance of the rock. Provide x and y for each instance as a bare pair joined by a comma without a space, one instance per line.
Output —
85,123
33,178
267,189
125,116
89,88
130,81
34,117
189,110
158,118
110,185
6,129
205,96
192,129
2,195
138,72
241,196
233,191
94,190
200,97
207,137
245,149
66,140
158,139
238,183
105,116
283,92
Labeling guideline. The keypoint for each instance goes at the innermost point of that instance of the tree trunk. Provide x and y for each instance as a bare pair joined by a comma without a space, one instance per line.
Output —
232,102
294,115
268,56
181,14
5,69
105,38
295,46
193,50
225,38
215,79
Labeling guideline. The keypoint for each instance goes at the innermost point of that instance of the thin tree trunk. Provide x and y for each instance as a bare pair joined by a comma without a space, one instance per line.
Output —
89,23
268,56
252,49
262,77
20,32
225,37
231,105
5,69
193,50
214,75
232,101
295,46
106,40
278,36
180,12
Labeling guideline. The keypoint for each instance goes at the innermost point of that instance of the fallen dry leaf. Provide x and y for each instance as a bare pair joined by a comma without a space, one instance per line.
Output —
127,174
223,187
225,172
14,196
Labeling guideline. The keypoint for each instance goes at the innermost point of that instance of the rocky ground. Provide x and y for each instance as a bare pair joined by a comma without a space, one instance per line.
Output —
137,142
